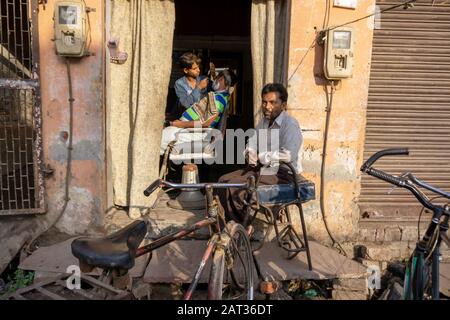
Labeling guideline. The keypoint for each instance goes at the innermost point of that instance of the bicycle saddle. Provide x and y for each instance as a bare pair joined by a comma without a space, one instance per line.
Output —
115,251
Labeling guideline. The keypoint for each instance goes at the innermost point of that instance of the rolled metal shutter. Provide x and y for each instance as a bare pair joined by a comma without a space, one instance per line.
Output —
409,103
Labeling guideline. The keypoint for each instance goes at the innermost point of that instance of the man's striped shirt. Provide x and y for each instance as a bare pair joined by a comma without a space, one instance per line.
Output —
221,100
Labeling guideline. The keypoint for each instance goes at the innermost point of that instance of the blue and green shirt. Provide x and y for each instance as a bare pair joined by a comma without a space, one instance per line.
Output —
221,99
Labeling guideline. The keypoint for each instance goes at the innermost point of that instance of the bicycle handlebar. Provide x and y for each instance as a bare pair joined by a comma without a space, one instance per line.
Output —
162,183
409,182
400,182
382,153
428,187
152,187
249,184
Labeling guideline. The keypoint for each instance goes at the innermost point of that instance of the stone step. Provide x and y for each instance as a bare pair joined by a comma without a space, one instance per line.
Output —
395,250
178,261
164,222
348,295
351,285
382,230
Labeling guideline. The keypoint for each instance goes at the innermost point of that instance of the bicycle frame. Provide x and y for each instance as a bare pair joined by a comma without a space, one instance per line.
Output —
213,219
418,258
219,239
415,289
177,235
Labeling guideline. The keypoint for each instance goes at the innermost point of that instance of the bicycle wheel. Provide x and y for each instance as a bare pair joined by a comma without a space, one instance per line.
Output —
231,274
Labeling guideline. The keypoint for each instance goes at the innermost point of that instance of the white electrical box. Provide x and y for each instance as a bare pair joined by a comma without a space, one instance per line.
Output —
338,55
70,28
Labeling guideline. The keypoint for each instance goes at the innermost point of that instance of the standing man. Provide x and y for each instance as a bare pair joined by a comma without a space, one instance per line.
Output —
275,123
190,88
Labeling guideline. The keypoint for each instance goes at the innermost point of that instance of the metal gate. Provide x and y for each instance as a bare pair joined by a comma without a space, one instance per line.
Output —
409,103
21,184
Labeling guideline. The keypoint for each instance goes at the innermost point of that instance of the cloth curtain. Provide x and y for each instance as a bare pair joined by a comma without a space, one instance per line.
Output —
138,92
269,39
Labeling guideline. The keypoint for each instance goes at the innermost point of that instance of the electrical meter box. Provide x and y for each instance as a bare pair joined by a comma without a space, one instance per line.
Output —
70,28
338,55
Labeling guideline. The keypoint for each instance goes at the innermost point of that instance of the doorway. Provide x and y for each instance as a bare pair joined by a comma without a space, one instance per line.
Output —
217,32
249,36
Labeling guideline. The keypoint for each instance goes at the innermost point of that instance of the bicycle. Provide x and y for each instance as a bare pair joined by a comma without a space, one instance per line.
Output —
233,260
231,275
422,271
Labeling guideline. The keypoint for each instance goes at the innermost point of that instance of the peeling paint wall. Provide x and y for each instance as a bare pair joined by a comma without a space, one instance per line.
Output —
86,186
307,102
84,210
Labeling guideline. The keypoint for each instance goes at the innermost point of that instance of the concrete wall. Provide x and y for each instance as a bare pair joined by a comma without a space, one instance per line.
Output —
86,185
84,210
307,102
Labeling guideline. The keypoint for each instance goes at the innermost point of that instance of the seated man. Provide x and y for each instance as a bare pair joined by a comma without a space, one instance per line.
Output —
204,114
276,123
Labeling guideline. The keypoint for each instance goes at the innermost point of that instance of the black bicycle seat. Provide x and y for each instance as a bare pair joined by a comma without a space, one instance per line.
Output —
115,251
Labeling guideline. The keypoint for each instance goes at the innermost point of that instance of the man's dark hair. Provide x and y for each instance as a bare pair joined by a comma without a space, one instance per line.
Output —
188,59
276,87
229,76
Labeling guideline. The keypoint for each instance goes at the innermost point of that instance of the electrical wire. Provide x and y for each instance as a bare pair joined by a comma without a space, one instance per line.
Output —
313,44
69,147
404,4
66,198
329,105
326,20
329,13
326,17
435,237
434,240
329,97
89,31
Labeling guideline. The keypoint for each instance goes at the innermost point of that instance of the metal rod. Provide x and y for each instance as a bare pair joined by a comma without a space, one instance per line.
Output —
14,17
28,142
198,273
18,84
174,236
37,112
428,187
203,185
13,153
435,273
22,105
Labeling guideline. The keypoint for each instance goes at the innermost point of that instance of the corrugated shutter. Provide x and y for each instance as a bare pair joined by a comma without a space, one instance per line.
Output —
409,103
